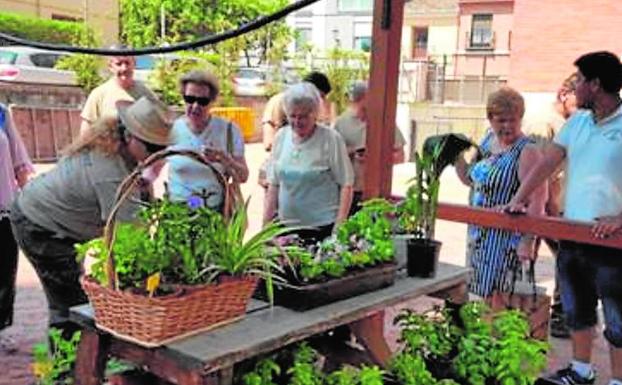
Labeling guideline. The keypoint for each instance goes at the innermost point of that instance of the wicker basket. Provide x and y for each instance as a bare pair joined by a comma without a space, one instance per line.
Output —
153,321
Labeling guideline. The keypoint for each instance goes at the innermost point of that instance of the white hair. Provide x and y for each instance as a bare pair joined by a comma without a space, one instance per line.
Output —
357,91
303,95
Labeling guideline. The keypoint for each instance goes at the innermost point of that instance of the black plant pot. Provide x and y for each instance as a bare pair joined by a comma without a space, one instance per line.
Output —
422,257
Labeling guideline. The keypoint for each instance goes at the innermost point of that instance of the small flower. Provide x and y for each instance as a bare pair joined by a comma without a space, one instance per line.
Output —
194,202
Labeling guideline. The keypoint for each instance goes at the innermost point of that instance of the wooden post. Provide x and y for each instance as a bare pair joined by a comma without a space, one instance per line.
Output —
382,96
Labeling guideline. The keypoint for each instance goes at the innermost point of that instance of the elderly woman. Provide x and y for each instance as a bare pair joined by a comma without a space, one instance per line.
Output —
15,167
70,203
310,179
198,130
506,157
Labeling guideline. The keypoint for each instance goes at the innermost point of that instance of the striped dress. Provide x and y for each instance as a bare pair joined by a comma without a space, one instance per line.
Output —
491,253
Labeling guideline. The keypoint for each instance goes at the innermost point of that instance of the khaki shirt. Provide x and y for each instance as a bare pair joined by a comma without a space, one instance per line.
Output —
102,100
353,131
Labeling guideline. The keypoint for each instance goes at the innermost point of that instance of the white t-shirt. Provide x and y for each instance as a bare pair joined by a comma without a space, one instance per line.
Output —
594,154
187,177
309,176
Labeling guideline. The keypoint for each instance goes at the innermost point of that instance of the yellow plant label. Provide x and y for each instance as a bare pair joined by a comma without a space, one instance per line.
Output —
152,283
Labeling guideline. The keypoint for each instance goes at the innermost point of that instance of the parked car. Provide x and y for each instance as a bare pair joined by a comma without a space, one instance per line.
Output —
33,65
250,82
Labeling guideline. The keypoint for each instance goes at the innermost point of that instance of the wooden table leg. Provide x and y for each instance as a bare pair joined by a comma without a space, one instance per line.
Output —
91,358
370,332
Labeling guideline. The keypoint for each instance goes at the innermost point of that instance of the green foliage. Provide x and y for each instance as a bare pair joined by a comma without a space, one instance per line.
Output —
85,67
370,375
431,334
34,28
191,19
363,240
185,246
410,369
54,365
344,376
417,213
263,373
304,372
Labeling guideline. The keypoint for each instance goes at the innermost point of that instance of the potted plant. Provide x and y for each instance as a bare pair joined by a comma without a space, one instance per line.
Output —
358,259
182,268
417,216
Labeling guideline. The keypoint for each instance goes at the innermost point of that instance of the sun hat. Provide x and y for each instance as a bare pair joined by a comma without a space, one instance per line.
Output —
147,119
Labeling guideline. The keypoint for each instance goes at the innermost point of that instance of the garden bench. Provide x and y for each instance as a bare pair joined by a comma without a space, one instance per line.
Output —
209,357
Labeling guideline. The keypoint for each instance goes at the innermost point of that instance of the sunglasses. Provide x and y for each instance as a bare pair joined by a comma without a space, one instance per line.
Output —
202,100
152,148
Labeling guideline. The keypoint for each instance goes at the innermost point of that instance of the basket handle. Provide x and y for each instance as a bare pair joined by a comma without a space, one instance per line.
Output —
126,188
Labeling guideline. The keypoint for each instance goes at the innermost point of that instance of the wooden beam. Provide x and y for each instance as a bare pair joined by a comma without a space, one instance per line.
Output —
382,96
548,227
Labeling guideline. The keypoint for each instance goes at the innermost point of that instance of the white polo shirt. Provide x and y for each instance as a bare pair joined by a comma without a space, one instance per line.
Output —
594,171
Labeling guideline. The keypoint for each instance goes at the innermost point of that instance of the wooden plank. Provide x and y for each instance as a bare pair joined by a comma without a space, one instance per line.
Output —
382,96
75,121
23,123
44,135
548,227
266,329
271,329
91,358
62,130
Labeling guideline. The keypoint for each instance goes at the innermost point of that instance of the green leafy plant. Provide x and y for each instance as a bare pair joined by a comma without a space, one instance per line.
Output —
343,67
347,375
431,334
410,369
370,375
39,29
180,244
54,364
263,373
363,240
417,212
86,68
304,371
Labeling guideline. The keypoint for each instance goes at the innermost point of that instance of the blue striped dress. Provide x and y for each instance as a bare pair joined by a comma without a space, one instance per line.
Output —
491,253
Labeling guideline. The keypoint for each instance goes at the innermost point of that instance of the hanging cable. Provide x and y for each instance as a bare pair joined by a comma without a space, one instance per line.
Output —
206,40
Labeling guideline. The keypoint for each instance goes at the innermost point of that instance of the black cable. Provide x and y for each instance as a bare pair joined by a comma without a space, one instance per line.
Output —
206,40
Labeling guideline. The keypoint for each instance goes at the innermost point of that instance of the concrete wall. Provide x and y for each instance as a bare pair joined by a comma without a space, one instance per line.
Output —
546,42
101,15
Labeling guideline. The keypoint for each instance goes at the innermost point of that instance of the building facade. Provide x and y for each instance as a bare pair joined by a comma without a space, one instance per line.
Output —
101,15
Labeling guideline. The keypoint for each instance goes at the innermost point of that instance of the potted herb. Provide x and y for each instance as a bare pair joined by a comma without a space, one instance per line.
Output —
54,363
358,259
417,216
181,269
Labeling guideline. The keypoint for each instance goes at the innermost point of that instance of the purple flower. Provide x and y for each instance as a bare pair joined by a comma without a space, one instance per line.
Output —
194,202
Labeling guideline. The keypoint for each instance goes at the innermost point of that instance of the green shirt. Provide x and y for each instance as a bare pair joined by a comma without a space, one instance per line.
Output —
75,198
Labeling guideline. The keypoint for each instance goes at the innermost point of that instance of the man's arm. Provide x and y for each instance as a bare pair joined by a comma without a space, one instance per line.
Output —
552,158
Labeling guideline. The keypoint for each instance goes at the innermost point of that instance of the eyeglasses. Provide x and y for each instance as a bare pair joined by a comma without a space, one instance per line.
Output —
152,148
202,100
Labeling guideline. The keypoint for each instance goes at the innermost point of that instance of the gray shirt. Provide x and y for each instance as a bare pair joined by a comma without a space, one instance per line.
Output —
75,198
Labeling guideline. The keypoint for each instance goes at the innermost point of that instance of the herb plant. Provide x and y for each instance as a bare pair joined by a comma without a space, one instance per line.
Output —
54,364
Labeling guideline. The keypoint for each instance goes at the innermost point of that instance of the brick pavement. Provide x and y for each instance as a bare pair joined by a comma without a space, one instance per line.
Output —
31,311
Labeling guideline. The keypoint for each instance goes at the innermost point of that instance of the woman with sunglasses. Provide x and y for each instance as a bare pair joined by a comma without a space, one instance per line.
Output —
219,139
70,203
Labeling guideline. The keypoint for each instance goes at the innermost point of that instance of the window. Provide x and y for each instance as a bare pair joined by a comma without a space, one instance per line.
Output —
362,43
355,5
46,60
420,42
7,57
303,36
481,32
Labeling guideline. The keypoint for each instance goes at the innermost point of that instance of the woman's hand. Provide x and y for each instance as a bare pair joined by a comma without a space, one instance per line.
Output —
607,226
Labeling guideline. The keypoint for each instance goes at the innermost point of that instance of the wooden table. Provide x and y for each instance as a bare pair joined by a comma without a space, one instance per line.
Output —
208,357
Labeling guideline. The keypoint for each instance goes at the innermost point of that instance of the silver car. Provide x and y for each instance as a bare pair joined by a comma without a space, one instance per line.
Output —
33,65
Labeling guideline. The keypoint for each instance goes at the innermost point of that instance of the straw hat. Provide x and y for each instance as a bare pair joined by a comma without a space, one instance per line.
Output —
147,119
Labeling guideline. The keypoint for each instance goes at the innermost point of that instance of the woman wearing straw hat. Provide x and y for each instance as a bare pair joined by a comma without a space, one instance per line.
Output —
198,130
70,203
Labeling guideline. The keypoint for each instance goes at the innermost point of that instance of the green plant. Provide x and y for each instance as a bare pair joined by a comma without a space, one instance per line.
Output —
85,67
344,376
370,375
38,29
417,212
184,244
263,373
410,369
362,240
304,372
53,365
431,334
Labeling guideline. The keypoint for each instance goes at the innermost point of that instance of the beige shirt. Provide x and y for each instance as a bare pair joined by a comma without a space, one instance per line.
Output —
102,100
353,131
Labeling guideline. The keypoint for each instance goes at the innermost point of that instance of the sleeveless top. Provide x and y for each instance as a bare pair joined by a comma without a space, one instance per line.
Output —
491,253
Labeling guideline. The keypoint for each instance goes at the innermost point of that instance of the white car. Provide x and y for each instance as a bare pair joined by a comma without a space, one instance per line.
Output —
250,82
33,65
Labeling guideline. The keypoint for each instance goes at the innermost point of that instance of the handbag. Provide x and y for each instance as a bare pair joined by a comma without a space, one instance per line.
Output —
232,192
525,295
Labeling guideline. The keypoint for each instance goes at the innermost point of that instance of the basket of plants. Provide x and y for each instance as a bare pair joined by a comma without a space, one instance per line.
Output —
356,260
183,268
